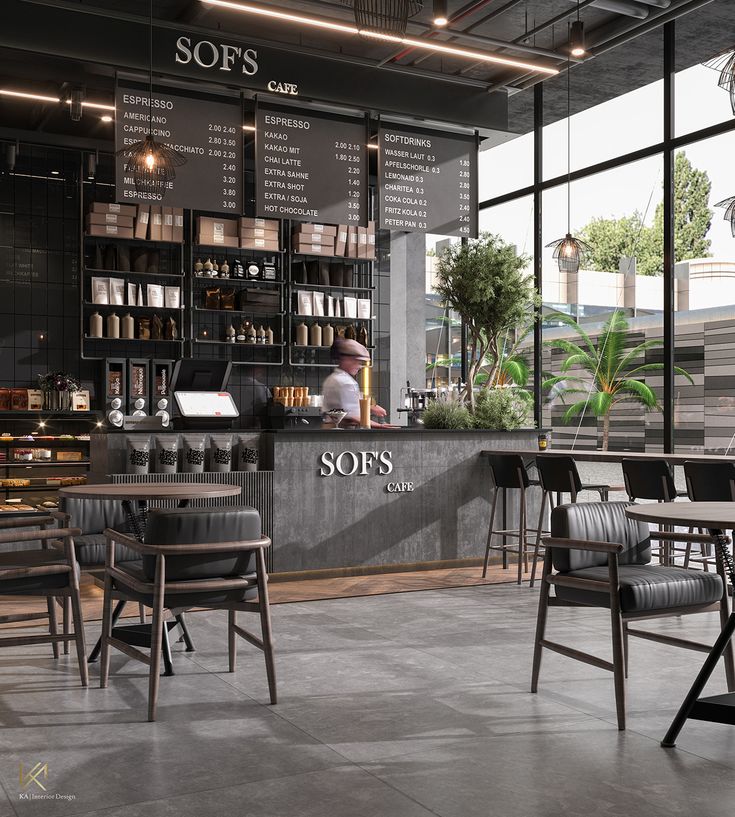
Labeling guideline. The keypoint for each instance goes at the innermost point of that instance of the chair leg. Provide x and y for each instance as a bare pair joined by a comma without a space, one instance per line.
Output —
141,613
724,618
543,611
496,491
53,626
158,623
78,616
232,638
106,633
625,646
521,536
265,623
618,666
66,621
185,637
539,529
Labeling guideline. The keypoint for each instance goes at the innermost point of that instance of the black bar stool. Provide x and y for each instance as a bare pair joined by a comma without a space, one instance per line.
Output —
559,475
509,471
652,480
708,482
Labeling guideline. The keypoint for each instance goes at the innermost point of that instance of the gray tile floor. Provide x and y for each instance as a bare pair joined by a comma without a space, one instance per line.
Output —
407,705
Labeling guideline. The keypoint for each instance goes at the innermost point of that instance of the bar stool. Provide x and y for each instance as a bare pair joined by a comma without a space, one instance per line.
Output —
559,475
708,482
509,471
652,480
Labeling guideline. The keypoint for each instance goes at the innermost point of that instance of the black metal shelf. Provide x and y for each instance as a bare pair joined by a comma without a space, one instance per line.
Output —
44,464
236,311
113,272
332,318
297,285
222,249
136,340
130,307
332,257
240,345
46,413
247,282
101,238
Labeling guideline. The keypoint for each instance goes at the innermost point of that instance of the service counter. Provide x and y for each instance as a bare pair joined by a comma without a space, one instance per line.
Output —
359,501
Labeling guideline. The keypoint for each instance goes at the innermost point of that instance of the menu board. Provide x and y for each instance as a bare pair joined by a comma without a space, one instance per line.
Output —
208,133
427,182
310,167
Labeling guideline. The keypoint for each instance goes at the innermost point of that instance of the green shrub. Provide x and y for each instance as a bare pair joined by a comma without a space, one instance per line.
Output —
447,414
502,409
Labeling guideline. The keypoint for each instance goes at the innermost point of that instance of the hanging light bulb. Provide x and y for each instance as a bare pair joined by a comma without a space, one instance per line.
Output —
729,205
724,64
440,17
577,47
151,164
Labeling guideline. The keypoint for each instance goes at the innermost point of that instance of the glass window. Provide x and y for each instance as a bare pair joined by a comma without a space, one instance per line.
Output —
506,167
610,309
443,327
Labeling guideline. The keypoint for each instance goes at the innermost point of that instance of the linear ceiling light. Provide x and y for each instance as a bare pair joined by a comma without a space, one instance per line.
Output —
99,106
427,45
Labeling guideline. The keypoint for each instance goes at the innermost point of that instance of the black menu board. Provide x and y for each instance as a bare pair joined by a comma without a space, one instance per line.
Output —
310,167
208,133
427,182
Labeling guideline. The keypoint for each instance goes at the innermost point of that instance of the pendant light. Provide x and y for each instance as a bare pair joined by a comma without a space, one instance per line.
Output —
387,17
151,164
729,205
568,251
724,64
440,17
577,44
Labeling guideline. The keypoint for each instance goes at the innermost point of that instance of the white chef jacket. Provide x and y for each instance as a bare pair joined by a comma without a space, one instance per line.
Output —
341,391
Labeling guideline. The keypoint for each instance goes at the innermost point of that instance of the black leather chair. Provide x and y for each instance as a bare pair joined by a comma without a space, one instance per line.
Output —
509,473
558,475
597,557
708,482
191,557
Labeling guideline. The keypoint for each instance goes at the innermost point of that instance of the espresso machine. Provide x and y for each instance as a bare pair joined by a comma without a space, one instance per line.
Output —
414,402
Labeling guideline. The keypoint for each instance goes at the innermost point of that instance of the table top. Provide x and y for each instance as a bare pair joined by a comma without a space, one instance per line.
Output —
152,490
591,455
711,515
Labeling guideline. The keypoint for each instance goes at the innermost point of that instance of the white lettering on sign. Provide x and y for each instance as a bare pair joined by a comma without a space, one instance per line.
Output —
399,487
207,54
351,463
289,88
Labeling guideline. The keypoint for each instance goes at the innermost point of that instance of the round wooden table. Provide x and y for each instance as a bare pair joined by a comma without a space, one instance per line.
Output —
716,517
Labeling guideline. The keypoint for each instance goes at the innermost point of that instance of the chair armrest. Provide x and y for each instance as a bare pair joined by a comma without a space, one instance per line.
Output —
26,522
179,549
582,544
61,517
125,539
35,535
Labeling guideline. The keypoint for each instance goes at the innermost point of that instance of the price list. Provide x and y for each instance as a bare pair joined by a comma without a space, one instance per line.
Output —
207,133
427,182
310,167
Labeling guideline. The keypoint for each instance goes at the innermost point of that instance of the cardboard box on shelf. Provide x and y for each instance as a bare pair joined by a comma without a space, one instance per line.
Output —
247,233
155,225
316,229
167,225
109,231
352,242
259,223
110,218
362,242
340,244
112,207
371,239
217,231
306,248
270,245
178,231
141,221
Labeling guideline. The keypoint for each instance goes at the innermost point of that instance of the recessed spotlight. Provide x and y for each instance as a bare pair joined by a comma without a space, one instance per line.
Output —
106,118
54,172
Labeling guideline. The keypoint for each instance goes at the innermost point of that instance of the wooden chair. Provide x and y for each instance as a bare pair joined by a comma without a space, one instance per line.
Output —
708,482
597,557
191,557
47,572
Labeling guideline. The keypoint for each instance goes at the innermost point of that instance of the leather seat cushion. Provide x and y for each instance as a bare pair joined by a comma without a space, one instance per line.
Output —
94,515
91,549
647,587
170,526
598,522
32,584
172,600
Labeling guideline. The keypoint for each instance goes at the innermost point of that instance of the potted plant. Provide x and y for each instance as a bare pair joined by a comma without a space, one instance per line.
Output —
57,388
485,283
503,408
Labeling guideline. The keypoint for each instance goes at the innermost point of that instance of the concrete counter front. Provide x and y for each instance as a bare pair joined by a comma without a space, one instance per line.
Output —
368,499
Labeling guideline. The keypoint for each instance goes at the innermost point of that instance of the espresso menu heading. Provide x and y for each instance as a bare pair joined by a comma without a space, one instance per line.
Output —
208,133
310,167
427,182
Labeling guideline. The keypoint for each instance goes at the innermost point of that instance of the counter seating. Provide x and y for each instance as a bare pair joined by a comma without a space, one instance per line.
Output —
191,557
597,557
708,482
50,572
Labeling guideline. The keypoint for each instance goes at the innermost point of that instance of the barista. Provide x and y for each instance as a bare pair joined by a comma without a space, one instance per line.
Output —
341,390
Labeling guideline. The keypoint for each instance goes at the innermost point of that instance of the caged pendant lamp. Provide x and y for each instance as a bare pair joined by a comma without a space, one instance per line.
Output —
389,17
729,205
151,164
568,251
724,64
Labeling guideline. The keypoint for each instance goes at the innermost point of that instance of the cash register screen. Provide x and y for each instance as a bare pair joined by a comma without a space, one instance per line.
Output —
206,404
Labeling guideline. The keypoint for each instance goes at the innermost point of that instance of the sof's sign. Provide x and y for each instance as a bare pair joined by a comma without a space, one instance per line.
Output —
362,464
218,56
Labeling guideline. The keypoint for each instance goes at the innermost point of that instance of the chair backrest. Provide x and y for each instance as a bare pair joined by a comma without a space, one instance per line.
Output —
508,470
558,473
598,522
94,515
649,479
710,481
171,526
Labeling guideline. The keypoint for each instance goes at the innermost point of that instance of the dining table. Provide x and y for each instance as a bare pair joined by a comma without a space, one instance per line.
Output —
135,498
717,518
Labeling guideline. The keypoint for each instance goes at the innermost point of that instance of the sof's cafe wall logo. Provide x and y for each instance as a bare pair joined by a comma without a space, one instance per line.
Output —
34,783
361,464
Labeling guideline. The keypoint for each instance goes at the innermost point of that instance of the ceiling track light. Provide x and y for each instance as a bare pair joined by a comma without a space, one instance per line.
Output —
425,45
577,45
440,18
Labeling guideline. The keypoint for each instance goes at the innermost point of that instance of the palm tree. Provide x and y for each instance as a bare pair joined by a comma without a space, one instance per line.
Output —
612,372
